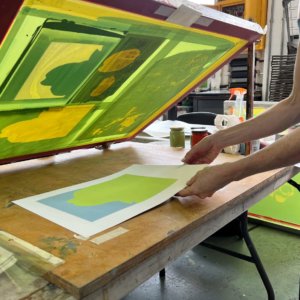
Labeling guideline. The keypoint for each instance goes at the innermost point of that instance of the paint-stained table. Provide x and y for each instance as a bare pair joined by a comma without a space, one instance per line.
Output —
148,243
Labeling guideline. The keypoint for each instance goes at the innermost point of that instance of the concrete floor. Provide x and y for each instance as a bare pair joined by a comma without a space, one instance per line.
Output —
204,274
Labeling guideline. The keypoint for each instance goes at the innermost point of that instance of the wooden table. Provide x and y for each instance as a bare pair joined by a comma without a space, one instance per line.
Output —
154,239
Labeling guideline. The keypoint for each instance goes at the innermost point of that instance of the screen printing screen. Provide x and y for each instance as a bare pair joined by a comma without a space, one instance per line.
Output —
74,73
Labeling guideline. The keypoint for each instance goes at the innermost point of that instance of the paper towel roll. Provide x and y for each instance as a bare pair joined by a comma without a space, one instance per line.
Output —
223,122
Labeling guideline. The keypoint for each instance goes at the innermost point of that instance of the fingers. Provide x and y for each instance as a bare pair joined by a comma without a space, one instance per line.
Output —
187,191
200,161
199,157
196,187
195,160
197,151
190,158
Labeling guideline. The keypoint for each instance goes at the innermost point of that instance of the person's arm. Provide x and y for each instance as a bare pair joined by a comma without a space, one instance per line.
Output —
284,152
279,117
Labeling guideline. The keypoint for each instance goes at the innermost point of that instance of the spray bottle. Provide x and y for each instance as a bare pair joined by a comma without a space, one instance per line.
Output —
239,112
239,106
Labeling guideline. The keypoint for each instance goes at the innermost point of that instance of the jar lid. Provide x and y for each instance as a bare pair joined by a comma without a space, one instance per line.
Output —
199,130
198,127
177,128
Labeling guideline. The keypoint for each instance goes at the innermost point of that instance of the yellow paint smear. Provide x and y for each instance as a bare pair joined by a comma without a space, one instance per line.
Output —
103,86
129,121
50,124
119,60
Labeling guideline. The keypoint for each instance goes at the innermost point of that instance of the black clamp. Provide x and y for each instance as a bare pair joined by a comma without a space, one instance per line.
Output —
294,184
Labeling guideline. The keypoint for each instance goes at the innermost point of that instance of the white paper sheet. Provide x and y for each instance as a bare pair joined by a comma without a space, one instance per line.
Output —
162,129
58,205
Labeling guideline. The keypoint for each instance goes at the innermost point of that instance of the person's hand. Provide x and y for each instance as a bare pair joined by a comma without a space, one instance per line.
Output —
207,181
203,152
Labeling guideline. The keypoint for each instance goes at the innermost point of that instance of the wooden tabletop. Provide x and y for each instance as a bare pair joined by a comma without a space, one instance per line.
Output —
153,239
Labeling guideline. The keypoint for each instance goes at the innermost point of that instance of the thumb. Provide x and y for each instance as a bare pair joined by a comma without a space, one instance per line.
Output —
191,181
189,158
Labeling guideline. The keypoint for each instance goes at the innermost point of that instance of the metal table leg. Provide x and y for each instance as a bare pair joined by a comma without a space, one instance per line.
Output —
254,258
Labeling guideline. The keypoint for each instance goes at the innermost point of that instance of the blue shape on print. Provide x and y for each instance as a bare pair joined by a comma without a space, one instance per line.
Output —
89,213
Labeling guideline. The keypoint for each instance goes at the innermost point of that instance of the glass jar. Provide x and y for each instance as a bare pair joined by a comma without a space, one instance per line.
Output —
177,137
197,135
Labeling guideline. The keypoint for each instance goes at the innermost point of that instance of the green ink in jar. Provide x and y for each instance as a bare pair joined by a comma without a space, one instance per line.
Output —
177,138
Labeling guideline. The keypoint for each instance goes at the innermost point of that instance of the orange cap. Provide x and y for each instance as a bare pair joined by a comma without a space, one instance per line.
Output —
237,91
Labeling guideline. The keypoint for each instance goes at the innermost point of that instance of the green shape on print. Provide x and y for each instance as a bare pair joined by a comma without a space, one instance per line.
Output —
126,188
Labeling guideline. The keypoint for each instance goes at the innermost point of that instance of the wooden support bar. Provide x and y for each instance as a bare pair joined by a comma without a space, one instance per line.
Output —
250,88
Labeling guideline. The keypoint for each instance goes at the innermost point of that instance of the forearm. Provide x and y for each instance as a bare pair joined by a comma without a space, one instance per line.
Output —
283,152
283,115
